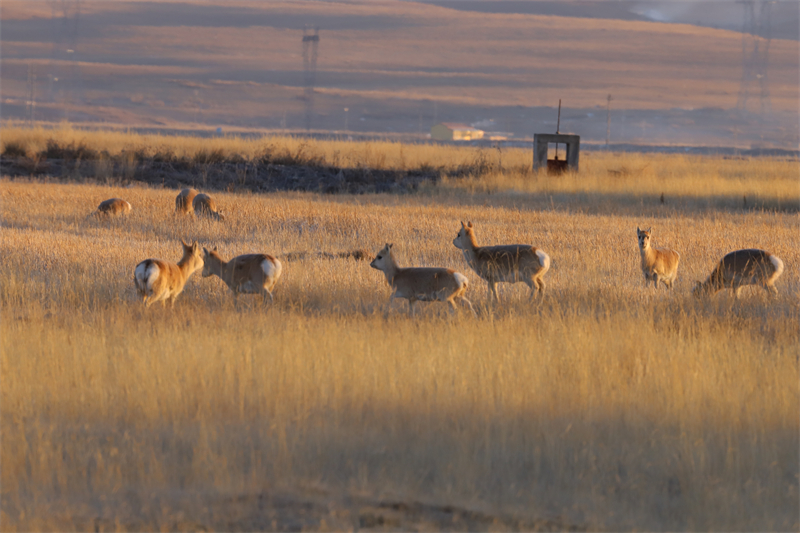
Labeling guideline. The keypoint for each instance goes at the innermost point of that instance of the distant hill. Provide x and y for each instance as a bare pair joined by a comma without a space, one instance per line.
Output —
393,68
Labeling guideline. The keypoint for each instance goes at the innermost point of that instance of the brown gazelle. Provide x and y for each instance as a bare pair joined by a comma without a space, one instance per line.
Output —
740,268
658,264
204,205
247,274
159,281
183,202
421,284
510,263
111,208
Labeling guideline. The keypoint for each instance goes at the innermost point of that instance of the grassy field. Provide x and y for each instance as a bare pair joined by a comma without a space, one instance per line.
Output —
607,406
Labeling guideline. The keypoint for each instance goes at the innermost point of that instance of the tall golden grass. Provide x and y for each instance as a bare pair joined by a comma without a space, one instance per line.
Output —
608,406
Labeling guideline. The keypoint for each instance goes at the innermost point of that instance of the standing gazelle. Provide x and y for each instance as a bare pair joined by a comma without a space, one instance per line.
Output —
740,268
421,284
658,264
510,263
204,205
183,202
158,280
248,274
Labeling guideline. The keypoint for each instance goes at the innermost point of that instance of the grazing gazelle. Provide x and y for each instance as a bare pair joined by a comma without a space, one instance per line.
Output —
248,274
204,205
111,208
158,280
506,263
183,202
658,264
421,284
740,268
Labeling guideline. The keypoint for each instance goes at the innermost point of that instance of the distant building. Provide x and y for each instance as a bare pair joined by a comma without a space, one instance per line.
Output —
453,131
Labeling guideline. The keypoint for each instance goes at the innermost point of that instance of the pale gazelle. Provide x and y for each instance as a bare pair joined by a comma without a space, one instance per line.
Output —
112,207
510,263
740,268
658,264
204,205
183,202
247,274
420,283
158,280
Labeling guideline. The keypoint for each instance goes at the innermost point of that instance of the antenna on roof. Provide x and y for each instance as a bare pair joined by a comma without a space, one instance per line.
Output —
558,124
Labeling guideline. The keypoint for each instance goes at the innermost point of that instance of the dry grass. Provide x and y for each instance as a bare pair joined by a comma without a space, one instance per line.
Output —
607,407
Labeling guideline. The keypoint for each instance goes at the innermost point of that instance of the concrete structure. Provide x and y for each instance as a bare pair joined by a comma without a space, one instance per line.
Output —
540,144
453,131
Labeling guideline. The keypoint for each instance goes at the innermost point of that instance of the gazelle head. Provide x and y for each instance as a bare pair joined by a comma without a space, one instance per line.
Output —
209,258
220,215
384,258
644,237
192,255
465,236
702,289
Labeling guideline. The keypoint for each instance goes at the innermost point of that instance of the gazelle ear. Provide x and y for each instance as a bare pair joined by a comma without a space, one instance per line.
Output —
469,224
649,229
389,245
205,250
215,249
462,224
638,231
184,244
195,246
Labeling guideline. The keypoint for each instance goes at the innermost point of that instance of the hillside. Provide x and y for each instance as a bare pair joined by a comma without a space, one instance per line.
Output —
397,67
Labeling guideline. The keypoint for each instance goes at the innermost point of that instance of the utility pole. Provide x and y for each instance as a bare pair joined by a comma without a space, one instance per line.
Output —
608,120
31,94
346,112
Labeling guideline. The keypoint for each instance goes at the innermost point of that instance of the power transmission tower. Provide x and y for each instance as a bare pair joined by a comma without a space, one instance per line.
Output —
756,38
64,79
30,99
310,46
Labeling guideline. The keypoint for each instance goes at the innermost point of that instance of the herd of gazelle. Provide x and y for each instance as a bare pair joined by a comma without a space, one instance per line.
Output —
158,280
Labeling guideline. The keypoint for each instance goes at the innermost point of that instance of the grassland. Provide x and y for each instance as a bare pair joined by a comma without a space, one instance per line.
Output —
608,406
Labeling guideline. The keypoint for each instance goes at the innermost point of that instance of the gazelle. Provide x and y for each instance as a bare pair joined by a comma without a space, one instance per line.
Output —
421,284
658,264
111,208
158,280
203,204
248,274
183,202
510,263
740,268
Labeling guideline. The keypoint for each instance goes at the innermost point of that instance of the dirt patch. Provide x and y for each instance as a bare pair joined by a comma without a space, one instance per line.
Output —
309,511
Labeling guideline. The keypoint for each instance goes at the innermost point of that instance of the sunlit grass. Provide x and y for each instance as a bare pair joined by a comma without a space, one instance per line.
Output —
608,406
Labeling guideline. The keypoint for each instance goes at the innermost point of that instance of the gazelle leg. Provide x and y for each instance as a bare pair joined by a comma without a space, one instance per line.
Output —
541,284
266,292
493,291
771,289
469,304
